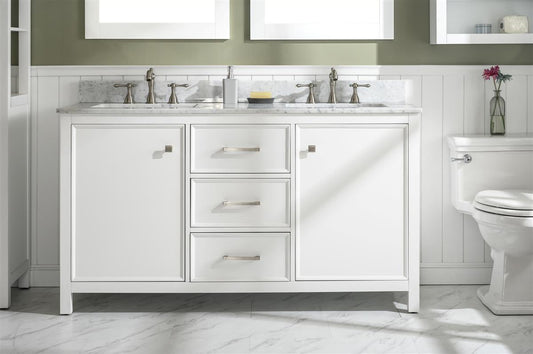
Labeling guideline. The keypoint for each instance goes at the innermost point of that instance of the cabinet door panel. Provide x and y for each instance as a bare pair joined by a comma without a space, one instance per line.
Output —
127,206
351,197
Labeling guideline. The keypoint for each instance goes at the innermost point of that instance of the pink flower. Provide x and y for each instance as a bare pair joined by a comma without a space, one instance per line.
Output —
491,73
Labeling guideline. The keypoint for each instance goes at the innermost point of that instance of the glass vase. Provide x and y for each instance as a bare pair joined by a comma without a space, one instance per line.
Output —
497,114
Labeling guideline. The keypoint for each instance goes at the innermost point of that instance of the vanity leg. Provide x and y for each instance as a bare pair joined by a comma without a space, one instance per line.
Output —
24,281
65,303
413,300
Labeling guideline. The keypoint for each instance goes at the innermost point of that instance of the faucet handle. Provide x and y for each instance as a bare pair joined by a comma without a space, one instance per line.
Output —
355,96
173,99
356,85
311,96
129,96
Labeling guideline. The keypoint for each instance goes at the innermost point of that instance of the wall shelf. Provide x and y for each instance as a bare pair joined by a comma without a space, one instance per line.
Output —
17,29
453,21
490,38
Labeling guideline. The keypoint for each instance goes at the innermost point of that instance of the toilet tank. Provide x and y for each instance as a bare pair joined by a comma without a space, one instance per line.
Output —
498,162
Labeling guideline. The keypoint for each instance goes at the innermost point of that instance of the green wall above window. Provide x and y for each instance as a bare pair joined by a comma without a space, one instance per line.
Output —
58,39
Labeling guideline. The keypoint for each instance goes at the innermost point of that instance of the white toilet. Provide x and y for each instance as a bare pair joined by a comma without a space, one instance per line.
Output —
492,180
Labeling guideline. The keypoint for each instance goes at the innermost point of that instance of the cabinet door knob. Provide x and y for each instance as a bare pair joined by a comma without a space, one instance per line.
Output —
168,148
311,148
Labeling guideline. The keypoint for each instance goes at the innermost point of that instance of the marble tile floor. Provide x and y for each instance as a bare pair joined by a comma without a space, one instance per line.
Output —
451,320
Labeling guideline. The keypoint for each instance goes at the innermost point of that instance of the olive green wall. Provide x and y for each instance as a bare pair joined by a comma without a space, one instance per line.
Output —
58,39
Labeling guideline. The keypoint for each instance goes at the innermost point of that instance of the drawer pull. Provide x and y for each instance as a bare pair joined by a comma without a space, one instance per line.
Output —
241,149
241,258
169,148
228,203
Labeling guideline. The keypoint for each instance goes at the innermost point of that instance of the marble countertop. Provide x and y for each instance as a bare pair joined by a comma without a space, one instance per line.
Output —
241,108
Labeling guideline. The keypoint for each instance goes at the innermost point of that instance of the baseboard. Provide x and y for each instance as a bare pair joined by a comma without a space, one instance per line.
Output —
44,276
430,274
459,273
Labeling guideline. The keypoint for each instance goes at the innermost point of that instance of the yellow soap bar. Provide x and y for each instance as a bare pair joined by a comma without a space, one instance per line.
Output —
260,94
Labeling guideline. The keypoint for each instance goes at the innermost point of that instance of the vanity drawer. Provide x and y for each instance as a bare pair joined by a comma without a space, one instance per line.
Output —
240,203
240,148
240,257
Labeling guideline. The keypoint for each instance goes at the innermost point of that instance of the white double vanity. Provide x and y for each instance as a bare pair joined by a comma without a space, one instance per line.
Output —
197,198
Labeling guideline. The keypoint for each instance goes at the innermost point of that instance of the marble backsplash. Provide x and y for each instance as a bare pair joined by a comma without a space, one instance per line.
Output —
381,91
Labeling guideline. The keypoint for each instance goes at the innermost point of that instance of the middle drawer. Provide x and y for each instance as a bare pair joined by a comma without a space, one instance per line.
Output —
240,203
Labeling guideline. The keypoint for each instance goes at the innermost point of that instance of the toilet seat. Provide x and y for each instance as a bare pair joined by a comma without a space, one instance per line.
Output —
518,203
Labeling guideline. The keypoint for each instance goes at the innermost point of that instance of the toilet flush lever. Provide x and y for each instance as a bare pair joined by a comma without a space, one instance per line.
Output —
467,158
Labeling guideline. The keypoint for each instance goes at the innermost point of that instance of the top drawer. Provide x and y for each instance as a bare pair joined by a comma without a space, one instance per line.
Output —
240,148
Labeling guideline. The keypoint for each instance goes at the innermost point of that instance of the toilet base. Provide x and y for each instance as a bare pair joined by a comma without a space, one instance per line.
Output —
499,307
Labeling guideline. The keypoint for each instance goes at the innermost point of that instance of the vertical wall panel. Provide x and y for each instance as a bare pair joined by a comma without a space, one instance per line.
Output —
33,170
529,104
452,123
47,218
413,90
431,166
69,90
474,122
517,105
475,103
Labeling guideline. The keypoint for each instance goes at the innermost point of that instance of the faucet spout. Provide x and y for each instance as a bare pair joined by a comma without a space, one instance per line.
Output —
150,78
333,77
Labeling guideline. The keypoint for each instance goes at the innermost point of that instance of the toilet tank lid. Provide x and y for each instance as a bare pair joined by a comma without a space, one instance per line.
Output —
510,142
508,199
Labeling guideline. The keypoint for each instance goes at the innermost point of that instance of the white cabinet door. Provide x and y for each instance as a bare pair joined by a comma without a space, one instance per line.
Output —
351,202
127,203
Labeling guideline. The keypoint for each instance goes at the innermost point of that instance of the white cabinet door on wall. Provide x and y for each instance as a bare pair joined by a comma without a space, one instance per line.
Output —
127,203
351,202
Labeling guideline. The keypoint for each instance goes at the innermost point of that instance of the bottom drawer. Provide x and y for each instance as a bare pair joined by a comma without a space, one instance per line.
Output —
240,257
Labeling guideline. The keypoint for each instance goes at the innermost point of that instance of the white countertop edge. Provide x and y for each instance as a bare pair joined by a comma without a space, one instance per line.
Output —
241,109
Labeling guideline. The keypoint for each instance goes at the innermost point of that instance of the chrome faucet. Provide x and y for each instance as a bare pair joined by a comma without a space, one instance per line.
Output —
150,78
333,77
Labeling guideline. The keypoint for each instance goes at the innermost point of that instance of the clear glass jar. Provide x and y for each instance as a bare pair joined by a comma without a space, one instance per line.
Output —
497,114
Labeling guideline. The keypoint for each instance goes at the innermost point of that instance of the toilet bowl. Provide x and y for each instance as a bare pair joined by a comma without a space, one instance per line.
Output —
492,180
505,220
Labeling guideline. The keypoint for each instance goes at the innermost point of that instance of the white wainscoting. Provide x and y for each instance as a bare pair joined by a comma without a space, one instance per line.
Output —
454,98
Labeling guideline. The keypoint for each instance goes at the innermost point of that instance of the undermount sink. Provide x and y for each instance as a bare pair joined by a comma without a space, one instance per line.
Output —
335,105
143,105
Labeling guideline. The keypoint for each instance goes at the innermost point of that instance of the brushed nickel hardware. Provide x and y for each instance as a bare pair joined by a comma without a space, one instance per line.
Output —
241,149
150,78
355,96
311,96
169,148
466,158
228,203
173,99
241,258
333,77
311,148
129,95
